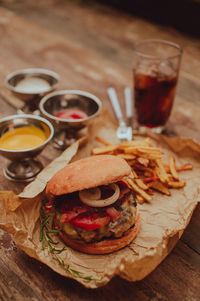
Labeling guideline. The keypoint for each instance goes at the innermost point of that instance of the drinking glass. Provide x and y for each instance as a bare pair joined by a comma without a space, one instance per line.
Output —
156,70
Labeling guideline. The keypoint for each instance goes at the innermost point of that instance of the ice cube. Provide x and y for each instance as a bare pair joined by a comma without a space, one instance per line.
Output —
165,69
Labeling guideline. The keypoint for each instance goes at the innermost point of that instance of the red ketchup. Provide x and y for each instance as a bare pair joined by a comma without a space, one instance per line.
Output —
71,114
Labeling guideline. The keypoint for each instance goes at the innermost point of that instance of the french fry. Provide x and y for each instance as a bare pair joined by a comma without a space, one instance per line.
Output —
166,166
173,168
126,156
187,166
139,199
146,169
150,191
143,161
143,149
148,153
146,180
149,173
139,190
176,184
184,167
160,187
161,172
136,143
99,139
134,173
103,150
141,184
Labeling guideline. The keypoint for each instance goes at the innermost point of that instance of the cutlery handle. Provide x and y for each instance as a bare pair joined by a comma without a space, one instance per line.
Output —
129,107
115,103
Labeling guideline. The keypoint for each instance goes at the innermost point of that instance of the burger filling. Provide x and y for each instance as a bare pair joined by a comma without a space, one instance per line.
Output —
111,213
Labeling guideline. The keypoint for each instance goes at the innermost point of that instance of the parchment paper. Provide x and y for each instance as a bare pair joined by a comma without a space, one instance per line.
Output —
162,221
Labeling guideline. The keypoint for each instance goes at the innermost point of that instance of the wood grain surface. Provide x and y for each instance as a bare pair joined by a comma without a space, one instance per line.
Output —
90,46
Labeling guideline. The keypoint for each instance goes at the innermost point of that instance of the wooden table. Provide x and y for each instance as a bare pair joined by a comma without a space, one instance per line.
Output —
90,46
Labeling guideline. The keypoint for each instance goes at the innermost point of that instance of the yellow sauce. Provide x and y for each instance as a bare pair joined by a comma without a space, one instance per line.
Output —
22,138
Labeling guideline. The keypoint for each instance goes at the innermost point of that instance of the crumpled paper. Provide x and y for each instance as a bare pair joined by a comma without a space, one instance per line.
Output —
162,221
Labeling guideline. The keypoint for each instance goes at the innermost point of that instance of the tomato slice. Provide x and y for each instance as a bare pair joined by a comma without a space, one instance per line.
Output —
90,221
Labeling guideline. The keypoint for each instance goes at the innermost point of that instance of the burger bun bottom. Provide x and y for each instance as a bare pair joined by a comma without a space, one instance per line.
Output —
105,246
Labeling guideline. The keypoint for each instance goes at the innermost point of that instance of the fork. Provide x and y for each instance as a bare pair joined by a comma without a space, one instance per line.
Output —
124,133
129,108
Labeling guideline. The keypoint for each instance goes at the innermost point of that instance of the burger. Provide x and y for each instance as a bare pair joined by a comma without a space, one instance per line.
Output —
94,207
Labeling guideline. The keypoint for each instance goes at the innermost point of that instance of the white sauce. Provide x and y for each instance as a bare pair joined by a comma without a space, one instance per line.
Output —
32,85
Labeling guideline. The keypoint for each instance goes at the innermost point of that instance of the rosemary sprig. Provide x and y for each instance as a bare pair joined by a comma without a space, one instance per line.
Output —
49,243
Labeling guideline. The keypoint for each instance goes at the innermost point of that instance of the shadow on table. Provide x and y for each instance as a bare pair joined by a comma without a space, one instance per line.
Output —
180,14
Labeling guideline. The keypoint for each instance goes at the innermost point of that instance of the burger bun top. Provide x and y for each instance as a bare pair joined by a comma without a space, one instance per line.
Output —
87,173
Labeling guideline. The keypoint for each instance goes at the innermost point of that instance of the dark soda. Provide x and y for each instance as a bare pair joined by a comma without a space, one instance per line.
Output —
154,95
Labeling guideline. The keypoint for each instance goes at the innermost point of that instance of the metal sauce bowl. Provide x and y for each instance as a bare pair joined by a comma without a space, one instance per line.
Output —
67,129
23,167
33,97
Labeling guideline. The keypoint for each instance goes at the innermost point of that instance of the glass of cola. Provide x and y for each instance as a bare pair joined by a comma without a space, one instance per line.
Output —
157,64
